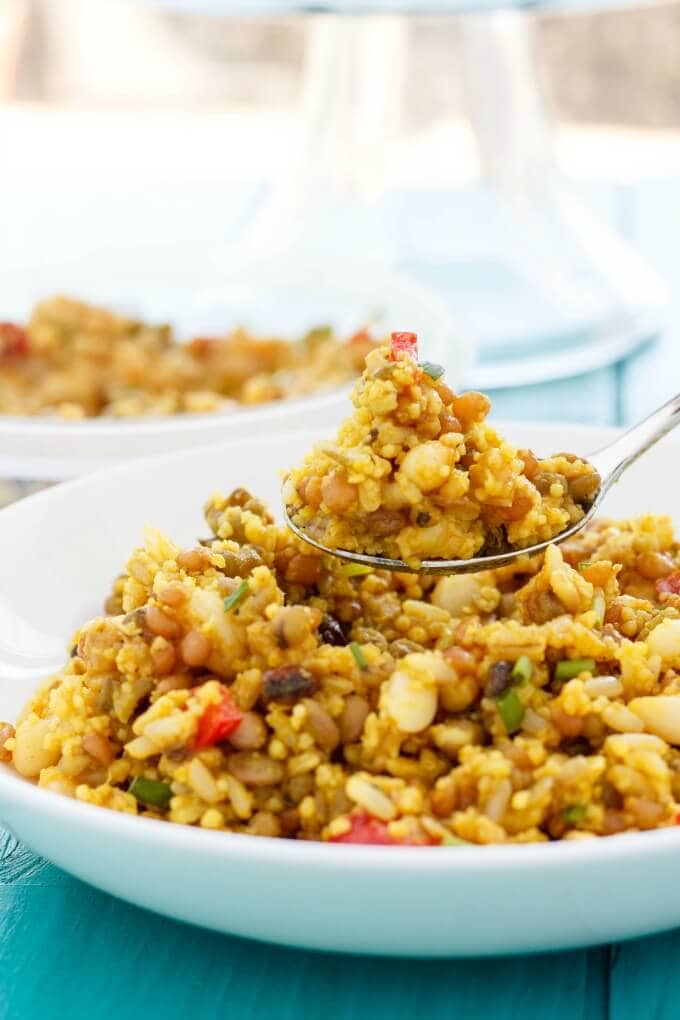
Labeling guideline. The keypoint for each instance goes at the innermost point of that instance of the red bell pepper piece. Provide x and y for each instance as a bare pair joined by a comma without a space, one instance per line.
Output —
372,832
404,343
218,721
13,340
365,829
670,584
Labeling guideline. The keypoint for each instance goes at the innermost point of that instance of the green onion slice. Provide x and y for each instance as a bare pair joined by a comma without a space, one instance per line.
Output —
567,669
359,657
574,814
355,570
584,564
599,606
449,840
434,371
150,791
511,709
236,597
522,670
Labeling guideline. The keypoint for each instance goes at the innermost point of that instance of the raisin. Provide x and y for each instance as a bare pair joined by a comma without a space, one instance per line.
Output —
287,683
499,678
332,631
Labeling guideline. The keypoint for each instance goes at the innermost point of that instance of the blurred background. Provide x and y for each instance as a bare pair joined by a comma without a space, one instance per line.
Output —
522,167
615,68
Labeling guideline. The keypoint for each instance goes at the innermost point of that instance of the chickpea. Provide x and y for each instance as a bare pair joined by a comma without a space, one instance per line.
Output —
585,488
321,725
449,423
519,508
99,748
193,560
196,648
457,693
462,661
303,569
530,463
160,623
171,595
174,682
251,733
353,718
384,522
309,491
654,565
338,494
471,407
163,656
647,813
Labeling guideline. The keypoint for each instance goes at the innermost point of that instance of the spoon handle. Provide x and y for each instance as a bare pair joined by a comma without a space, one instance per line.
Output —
612,460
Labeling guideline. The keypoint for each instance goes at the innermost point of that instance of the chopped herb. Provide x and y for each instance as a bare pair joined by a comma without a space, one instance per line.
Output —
567,669
599,606
584,564
423,518
522,670
511,710
449,840
434,371
150,791
355,570
359,657
574,814
236,597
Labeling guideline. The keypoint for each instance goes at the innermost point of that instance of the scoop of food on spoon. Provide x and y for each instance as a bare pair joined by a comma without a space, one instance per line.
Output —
351,455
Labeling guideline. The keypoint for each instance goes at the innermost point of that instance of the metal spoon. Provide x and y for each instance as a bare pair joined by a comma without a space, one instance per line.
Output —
610,462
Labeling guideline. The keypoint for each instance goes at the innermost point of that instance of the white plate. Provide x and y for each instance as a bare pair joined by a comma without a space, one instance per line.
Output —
197,298
59,551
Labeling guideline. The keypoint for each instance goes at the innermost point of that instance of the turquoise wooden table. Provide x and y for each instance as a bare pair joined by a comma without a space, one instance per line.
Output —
69,951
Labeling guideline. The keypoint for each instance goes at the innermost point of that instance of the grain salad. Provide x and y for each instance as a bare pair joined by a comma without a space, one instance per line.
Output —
74,361
252,684
418,473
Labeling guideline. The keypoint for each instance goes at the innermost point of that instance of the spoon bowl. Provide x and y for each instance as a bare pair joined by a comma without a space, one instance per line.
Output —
610,462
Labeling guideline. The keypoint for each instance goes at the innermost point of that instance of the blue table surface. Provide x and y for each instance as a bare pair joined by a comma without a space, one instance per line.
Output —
68,951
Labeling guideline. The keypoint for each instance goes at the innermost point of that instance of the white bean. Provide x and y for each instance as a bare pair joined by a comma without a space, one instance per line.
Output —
609,686
30,755
664,640
456,593
370,797
410,696
660,714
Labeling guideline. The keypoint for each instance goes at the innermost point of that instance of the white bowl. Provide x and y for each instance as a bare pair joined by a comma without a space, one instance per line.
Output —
196,298
59,551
